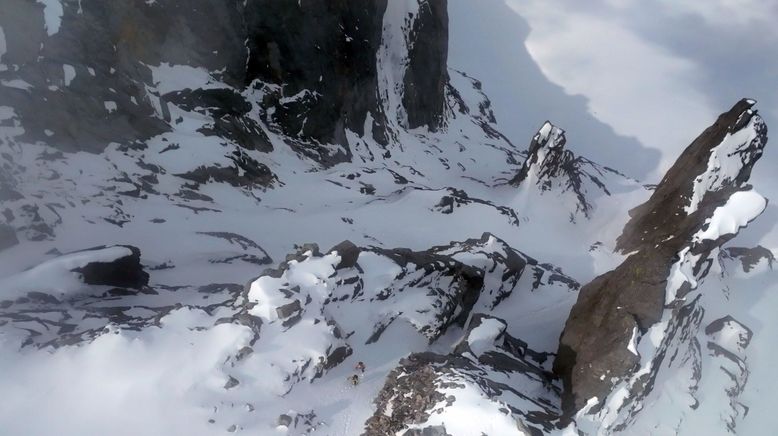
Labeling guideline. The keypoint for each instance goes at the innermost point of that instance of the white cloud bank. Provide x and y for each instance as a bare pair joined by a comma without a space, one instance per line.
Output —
637,87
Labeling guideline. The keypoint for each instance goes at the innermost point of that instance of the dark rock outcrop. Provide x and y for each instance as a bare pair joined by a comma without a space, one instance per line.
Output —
230,112
750,257
110,45
90,82
124,272
409,392
667,213
323,56
427,74
622,304
7,237
414,391
348,252
245,172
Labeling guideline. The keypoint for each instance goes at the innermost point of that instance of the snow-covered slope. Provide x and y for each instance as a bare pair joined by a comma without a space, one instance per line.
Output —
169,170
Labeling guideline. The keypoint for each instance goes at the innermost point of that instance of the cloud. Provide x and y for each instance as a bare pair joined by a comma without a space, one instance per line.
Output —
726,12
636,86
487,41
661,70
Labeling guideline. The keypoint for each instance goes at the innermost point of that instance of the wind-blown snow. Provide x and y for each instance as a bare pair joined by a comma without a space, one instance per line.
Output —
56,276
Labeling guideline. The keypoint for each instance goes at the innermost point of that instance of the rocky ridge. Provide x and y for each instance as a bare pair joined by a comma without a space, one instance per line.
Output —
618,335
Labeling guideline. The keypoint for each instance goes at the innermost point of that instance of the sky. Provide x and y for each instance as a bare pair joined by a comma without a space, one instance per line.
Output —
632,81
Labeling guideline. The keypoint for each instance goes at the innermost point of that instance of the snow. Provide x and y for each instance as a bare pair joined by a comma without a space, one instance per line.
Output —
16,83
155,381
473,414
483,337
741,208
167,374
56,276
70,73
633,342
392,57
3,47
549,135
52,15
725,161
169,77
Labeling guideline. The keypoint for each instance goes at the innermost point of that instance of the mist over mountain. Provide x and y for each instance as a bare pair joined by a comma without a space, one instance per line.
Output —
362,218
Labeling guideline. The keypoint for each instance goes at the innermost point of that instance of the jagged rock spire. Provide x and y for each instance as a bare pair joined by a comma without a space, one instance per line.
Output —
552,167
547,156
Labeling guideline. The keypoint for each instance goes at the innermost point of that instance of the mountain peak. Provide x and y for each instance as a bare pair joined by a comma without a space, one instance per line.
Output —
715,165
552,167
624,320
546,156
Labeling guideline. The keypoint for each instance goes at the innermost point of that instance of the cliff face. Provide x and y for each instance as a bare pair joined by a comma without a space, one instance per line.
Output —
316,65
700,204
426,78
321,56
367,67
69,61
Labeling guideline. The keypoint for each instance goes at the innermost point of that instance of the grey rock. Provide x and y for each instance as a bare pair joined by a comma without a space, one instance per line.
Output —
124,272
593,349
7,237
348,252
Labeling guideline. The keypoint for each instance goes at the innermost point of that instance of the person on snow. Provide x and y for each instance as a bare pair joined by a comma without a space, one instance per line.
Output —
360,367
354,379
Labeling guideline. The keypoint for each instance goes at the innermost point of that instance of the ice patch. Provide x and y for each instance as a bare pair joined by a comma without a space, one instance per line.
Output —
741,208
52,15
70,73
633,342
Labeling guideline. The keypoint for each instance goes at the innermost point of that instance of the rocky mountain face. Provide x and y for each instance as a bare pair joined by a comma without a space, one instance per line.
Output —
315,65
157,157
428,393
332,73
673,239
